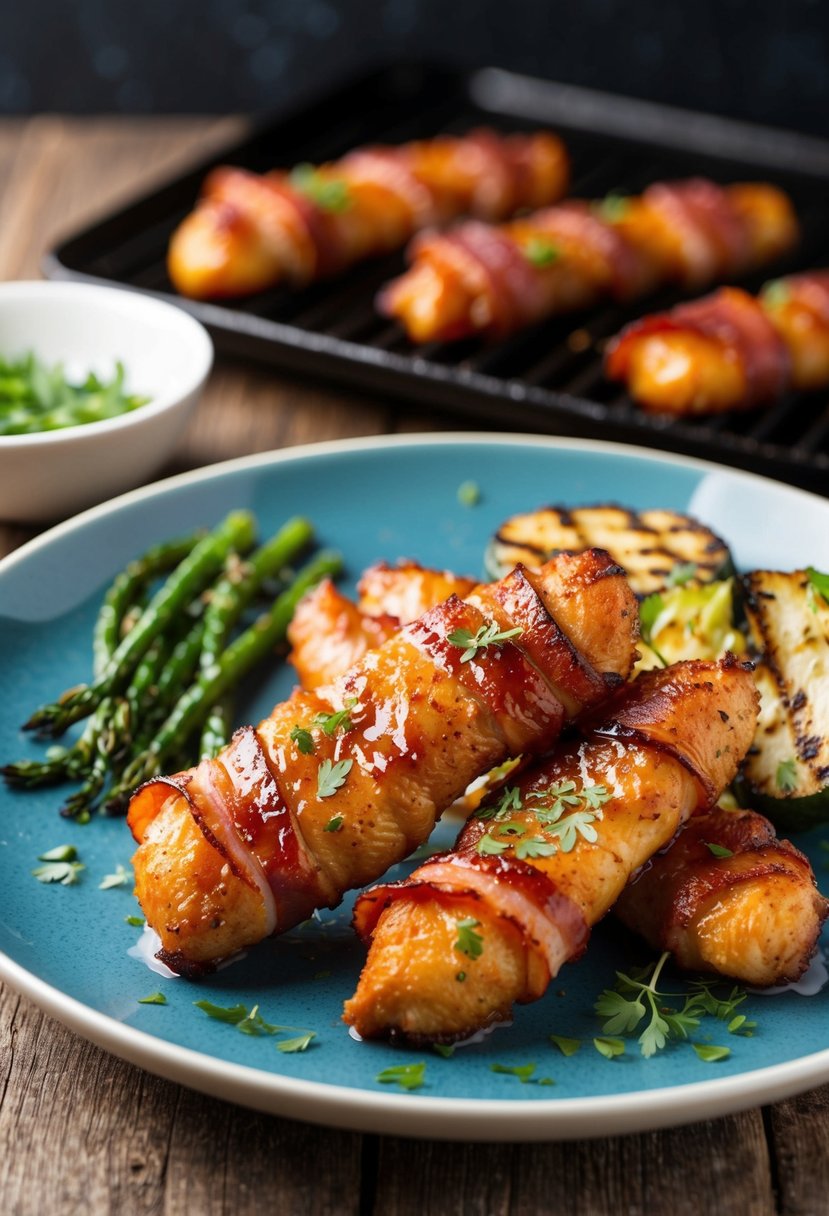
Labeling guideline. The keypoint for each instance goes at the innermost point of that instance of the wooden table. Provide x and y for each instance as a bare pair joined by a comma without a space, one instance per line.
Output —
80,1131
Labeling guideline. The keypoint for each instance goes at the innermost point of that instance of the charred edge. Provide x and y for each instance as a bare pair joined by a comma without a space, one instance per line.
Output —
188,968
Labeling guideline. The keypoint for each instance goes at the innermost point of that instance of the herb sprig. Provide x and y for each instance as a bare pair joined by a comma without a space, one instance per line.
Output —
488,635
61,866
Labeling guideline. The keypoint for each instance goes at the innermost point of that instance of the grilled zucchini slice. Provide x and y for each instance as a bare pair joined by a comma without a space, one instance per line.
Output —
693,622
655,548
786,773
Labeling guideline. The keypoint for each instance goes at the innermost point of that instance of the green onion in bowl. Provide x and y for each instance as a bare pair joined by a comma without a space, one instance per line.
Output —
35,397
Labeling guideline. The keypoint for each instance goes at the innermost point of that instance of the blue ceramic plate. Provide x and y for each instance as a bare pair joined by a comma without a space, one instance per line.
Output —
68,947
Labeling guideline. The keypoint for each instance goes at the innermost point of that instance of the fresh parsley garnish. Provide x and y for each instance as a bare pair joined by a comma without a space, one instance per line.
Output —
717,850
251,1022
334,824
608,1047
711,1054
488,635
567,1047
681,574
62,866
155,998
303,739
650,609
407,1076
331,777
509,801
447,1050
469,942
818,583
329,724
524,1073
776,293
534,846
786,776
612,208
488,846
469,493
636,999
329,193
300,1043
540,251
119,879
138,921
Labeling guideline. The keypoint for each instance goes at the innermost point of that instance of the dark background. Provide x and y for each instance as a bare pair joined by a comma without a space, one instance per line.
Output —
766,60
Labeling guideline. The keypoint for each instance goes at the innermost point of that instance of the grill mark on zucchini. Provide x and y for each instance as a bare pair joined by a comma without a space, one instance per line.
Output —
650,544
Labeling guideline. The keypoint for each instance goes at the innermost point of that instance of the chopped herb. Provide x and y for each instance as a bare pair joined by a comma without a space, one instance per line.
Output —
61,866
469,493
535,846
609,1048
138,921
786,776
540,252
819,583
650,610
253,1023
300,1043
303,739
711,1054
681,574
334,824
469,942
233,1014
407,1076
545,1081
524,1072
155,998
612,208
331,723
447,1050
776,293
329,193
567,1047
718,850
119,879
461,977
509,801
331,777
488,635
488,846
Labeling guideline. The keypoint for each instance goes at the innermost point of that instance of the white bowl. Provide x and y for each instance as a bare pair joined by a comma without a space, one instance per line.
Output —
167,356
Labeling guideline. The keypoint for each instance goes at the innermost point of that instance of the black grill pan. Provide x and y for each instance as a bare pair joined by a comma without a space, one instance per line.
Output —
548,378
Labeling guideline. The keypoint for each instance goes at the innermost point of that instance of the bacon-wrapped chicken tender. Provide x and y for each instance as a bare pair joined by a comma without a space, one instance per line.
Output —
335,786
728,896
473,931
481,279
329,632
728,350
250,232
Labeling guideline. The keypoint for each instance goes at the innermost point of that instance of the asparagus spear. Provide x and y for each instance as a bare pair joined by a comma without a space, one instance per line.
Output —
236,532
238,659
227,601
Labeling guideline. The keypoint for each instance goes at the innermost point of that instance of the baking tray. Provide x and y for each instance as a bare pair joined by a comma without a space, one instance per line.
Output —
548,378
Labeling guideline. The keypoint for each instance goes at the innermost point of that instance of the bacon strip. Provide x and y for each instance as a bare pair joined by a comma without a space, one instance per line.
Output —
712,241
263,817
729,317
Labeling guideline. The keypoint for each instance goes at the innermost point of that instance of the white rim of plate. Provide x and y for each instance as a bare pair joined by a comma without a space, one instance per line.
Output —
415,1114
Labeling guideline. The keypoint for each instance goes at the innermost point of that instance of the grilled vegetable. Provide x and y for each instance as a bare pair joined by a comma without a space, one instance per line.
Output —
786,774
689,623
656,548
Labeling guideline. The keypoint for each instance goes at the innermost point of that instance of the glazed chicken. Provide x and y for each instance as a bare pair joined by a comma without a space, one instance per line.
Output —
249,231
475,930
728,896
729,350
336,785
329,632
478,279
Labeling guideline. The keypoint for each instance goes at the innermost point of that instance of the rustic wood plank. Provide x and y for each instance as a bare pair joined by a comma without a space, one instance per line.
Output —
800,1137
81,1131
658,1172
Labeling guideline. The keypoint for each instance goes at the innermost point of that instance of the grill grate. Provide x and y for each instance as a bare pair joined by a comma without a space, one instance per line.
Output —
547,378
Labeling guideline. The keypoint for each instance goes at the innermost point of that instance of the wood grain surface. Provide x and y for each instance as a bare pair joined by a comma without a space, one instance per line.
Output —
81,1131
